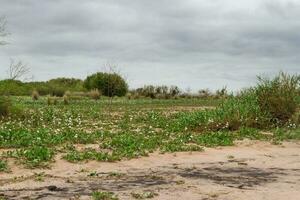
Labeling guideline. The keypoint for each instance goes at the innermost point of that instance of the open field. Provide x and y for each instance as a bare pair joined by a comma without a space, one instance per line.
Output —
122,100
72,151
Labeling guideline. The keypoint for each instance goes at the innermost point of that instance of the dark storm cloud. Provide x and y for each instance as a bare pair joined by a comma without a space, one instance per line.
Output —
191,43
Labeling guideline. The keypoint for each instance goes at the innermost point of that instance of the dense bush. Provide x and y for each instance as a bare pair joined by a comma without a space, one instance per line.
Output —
4,106
109,84
278,96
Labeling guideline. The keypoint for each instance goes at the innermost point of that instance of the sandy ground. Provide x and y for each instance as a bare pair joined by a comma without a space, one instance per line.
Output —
249,170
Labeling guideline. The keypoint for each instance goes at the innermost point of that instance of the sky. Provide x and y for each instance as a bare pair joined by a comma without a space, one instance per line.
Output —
190,43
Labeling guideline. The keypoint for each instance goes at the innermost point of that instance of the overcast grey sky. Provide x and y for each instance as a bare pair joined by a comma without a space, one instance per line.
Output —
189,43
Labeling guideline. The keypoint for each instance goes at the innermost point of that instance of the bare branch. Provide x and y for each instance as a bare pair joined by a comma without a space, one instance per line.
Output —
17,69
3,33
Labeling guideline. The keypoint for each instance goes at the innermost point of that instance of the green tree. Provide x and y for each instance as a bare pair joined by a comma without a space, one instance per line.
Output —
110,84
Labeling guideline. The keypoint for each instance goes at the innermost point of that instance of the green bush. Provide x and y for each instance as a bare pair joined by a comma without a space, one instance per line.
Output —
109,84
278,96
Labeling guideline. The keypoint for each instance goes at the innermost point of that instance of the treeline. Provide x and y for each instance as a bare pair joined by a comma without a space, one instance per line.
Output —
101,84
165,92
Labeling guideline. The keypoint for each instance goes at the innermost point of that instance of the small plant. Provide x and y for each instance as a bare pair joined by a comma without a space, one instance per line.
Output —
35,95
3,166
95,94
104,196
32,157
39,177
144,195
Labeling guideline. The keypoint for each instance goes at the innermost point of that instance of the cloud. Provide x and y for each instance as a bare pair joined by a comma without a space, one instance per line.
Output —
192,43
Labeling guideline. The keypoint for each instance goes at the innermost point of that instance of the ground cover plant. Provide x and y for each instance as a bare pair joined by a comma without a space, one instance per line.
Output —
84,129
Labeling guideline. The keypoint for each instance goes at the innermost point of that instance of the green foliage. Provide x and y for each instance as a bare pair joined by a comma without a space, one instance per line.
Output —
35,156
286,134
110,84
54,87
215,139
89,154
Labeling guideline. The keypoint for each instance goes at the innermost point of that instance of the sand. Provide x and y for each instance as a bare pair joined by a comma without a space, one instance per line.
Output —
249,170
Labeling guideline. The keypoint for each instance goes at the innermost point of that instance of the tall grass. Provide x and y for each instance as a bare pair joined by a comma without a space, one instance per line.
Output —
272,103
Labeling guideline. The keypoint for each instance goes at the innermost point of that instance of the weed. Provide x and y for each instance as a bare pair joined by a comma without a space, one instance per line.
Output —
104,196
3,166
36,156
144,195
215,139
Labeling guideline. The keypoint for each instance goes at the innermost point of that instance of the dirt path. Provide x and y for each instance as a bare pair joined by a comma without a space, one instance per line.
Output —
249,170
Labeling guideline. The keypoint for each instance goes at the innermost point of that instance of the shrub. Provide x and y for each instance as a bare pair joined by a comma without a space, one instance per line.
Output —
204,93
278,96
174,91
110,84
68,93
52,100
35,95
221,93
5,105
66,99
95,94
3,167
49,101
55,100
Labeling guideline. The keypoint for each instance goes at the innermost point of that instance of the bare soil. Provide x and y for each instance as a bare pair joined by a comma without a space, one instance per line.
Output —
249,170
